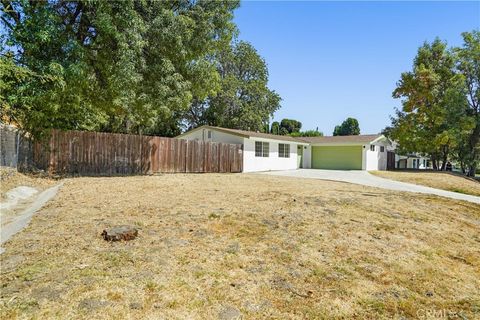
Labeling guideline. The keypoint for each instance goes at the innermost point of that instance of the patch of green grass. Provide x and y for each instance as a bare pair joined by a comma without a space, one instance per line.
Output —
458,190
213,216
139,224
173,304
285,257
31,272
151,286
428,253
319,273
197,303
90,272
118,258
373,304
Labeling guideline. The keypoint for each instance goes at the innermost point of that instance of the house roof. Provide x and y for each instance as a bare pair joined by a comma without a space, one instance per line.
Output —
247,134
357,139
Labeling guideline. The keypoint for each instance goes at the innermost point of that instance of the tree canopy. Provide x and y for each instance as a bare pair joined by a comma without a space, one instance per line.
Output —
307,133
440,104
292,128
244,100
348,127
289,126
129,66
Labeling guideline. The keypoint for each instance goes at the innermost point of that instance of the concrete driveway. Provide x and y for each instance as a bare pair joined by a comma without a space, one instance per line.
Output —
366,179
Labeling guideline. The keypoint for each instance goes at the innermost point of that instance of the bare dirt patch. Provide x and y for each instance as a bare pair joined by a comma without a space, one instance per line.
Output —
440,180
225,246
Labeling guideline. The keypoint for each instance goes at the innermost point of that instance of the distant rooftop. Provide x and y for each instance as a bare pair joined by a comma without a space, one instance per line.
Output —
248,134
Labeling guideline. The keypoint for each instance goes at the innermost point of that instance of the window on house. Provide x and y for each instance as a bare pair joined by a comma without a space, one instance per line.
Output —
382,149
209,134
261,149
258,149
283,150
266,149
372,147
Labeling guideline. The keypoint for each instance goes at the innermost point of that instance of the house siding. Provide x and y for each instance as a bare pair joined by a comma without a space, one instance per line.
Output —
251,163
375,160
338,156
217,136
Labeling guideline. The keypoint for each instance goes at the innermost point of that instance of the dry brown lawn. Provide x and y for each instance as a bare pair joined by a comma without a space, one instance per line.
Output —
261,247
440,180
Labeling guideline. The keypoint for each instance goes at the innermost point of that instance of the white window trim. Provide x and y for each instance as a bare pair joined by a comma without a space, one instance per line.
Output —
285,152
265,146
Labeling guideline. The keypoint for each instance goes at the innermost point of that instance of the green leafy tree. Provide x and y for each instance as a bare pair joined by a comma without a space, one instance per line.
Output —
307,133
468,65
423,124
289,126
22,91
124,66
275,128
348,127
244,100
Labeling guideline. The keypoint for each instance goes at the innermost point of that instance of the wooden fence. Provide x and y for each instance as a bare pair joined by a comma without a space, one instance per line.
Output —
390,160
98,153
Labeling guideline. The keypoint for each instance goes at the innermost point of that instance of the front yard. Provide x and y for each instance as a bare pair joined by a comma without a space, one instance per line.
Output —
440,180
225,246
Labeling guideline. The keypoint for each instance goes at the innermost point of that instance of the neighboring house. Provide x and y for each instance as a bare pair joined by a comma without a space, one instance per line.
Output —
265,152
412,161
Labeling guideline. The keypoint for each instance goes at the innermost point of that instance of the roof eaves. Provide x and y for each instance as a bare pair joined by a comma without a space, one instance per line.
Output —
226,130
190,131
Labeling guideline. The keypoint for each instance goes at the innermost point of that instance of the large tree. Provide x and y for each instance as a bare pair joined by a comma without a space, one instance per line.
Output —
468,64
244,100
348,127
123,66
289,126
275,128
430,119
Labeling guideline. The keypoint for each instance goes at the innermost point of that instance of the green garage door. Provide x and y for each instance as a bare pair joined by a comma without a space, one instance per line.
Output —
337,157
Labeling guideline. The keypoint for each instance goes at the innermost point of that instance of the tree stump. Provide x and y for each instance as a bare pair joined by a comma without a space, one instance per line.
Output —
120,233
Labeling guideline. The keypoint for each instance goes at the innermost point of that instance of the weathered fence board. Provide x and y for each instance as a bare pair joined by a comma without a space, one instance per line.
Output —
98,153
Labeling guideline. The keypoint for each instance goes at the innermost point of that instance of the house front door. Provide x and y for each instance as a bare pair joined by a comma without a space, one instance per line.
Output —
299,156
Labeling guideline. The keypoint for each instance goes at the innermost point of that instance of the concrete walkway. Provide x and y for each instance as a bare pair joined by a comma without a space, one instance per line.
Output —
21,220
366,179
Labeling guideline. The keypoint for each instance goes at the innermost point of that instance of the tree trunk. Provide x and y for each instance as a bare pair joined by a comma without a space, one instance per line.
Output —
434,162
474,141
444,166
445,152
472,170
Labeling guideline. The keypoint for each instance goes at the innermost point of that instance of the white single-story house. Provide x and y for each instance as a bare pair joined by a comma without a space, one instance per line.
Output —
266,152
261,151
413,161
